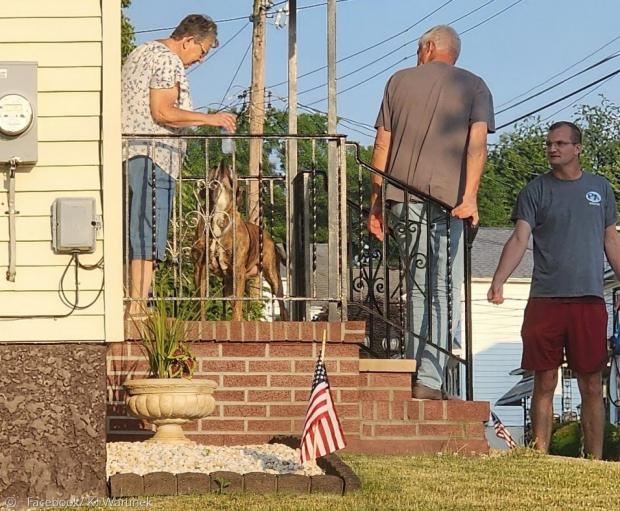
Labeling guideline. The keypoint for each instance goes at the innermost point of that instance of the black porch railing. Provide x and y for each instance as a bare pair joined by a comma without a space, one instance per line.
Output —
330,266
303,215
413,289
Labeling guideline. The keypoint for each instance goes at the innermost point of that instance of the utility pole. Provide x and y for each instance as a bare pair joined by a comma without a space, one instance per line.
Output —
257,122
257,105
333,274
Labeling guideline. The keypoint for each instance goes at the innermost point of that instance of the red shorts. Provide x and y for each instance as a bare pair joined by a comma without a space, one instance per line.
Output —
576,327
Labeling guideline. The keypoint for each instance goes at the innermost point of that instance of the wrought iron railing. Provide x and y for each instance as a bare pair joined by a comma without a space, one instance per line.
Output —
304,214
412,289
331,267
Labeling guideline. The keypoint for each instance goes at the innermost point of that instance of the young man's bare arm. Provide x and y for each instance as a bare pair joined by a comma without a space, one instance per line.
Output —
476,159
511,256
612,248
163,109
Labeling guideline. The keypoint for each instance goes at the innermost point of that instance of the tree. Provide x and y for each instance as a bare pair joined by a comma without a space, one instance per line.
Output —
519,156
311,157
128,38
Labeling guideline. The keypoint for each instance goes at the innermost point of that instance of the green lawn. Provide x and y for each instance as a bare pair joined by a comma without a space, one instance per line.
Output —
522,480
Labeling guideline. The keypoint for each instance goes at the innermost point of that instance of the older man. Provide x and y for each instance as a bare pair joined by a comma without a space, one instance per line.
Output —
572,215
431,134
156,101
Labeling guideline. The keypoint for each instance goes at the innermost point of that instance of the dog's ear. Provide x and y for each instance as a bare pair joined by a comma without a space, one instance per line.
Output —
240,196
224,170
212,174
225,174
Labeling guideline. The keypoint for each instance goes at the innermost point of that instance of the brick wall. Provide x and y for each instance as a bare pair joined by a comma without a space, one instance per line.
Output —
264,372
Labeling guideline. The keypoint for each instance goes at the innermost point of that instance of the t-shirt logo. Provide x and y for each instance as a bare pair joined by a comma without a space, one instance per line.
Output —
594,198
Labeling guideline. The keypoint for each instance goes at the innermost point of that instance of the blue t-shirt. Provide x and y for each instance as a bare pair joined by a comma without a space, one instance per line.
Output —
568,221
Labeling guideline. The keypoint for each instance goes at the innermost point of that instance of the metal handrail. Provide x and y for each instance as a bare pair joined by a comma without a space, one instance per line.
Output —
468,234
335,295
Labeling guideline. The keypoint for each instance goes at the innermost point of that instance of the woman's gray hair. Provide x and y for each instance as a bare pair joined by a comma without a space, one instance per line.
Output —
445,38
199,26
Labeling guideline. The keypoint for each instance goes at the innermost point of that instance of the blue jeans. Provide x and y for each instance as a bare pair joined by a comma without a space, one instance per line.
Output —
139,181
410,225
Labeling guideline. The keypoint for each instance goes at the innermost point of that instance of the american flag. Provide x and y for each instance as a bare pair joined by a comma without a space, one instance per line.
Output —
502,432
322,430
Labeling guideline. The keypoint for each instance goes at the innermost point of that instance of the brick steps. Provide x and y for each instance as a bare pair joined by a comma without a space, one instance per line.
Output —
425,427
392,422
264,381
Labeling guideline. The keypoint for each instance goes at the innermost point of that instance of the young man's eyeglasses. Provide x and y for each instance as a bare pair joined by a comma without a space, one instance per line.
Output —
559,144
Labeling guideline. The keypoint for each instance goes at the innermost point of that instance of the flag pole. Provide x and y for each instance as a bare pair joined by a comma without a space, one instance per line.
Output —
315,427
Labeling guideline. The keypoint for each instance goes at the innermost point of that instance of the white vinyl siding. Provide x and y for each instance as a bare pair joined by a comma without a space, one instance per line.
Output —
497,348
66,39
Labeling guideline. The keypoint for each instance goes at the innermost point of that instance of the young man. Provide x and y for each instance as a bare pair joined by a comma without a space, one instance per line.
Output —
431,133
572,216
156,101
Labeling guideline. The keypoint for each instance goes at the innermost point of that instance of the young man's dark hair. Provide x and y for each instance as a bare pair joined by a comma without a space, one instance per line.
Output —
575,131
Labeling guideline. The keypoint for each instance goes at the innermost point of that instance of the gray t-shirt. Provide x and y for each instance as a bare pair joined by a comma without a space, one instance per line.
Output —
153,66
568,221
428,109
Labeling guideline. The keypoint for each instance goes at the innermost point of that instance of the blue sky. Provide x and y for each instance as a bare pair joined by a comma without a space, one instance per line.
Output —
527,44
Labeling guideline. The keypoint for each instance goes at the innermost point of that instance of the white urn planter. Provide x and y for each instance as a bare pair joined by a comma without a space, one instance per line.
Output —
168,403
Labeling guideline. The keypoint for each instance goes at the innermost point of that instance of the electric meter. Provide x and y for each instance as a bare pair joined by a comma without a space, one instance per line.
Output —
18,114
15,114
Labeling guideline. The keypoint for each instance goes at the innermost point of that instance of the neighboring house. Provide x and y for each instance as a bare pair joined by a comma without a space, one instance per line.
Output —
77,47
497,329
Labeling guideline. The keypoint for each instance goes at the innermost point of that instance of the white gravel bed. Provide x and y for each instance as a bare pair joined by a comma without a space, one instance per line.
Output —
145,457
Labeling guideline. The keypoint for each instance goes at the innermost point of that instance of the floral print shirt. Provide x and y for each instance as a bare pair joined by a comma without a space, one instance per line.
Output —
152,66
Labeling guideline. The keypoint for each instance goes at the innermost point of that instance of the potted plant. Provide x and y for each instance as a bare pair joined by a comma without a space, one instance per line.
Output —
169,397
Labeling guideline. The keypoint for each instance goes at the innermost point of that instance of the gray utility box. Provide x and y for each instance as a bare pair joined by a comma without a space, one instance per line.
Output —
18,112
74,225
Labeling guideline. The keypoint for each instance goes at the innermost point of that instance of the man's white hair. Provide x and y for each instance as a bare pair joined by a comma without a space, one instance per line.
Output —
445,38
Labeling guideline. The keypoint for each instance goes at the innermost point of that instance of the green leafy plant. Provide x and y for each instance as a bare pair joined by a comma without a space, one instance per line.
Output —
566,440
163,341
222,484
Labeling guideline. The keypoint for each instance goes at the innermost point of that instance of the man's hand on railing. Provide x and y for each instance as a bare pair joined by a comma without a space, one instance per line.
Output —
467,209
375,220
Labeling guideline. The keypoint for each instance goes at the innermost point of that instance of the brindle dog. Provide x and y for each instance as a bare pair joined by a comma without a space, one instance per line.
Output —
234,246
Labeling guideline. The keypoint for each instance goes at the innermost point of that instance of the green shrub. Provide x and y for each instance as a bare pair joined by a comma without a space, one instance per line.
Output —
566,441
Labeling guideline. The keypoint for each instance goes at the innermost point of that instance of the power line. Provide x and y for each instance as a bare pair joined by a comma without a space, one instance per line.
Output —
247,50
219,48
383,41
581,89
558,74
365,80
409,56
316,5
589,68
164,29
349,127
577,100
491,17
237,18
